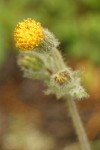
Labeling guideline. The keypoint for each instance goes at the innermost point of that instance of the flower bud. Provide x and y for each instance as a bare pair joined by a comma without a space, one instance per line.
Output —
61,78
27,61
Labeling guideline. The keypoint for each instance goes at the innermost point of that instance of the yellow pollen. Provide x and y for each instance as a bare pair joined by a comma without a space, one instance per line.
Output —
28,34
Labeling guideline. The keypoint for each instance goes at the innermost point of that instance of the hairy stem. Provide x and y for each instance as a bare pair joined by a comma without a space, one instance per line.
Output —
58,59
84,143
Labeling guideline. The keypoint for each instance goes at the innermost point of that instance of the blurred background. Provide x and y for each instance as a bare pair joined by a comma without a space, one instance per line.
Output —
29,120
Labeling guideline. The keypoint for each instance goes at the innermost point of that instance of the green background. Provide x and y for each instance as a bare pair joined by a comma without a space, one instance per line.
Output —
75,23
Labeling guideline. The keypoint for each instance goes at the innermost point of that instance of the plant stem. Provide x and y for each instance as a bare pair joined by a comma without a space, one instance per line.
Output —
84,143
58,59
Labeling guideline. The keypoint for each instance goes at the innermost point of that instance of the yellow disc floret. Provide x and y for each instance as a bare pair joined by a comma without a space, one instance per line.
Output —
61,78
28,34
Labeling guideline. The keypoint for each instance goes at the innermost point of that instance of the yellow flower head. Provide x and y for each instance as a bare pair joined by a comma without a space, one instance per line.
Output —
61,78
28,34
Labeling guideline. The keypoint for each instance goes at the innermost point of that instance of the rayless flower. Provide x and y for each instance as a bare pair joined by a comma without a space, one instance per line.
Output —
28,34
